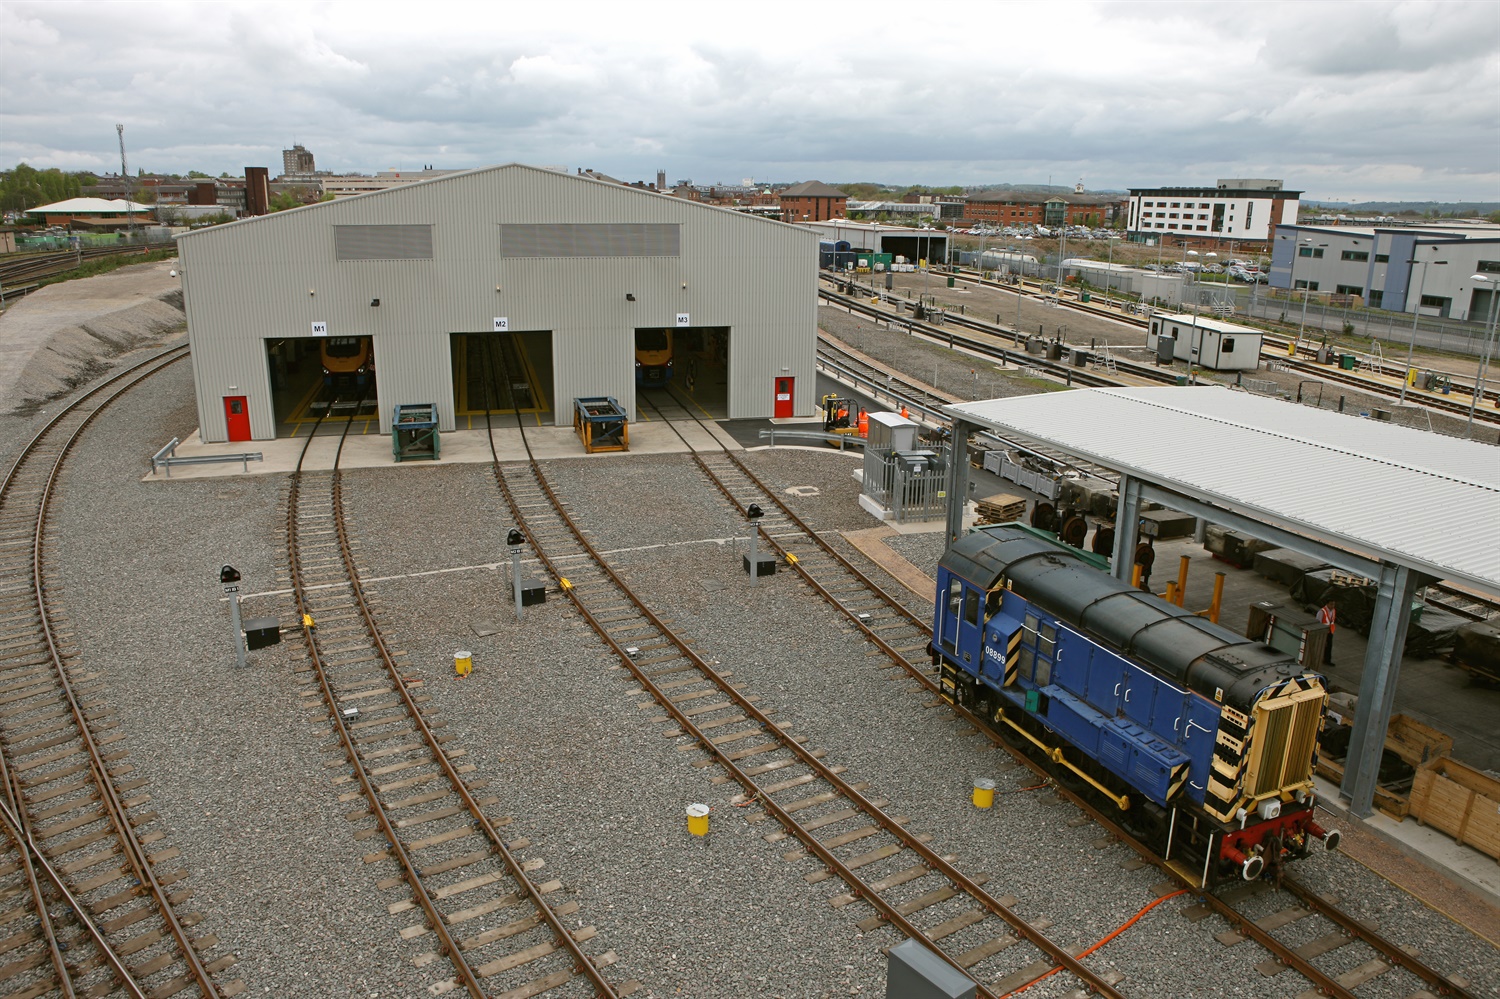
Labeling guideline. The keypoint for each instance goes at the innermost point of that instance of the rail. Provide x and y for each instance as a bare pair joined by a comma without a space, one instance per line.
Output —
137,863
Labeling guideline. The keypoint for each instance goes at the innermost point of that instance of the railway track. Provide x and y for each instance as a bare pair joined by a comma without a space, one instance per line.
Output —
479,905
903,637
898,389
19,276
822,814
97,917
1275,349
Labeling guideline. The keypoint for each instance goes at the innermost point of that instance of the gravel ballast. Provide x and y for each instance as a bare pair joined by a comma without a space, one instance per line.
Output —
575,761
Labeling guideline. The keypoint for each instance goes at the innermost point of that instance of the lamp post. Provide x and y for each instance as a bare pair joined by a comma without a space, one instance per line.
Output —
1416,313
1183,273
1494,283
1303,324
1109,272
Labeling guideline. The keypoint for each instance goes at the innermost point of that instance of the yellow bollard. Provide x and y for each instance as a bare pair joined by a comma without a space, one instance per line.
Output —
1135,575
984,792
1213,608
1171,595
463,663
1411,377
697,816
1182,574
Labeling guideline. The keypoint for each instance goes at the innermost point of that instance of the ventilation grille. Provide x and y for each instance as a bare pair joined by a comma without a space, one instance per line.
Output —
608,239
382,242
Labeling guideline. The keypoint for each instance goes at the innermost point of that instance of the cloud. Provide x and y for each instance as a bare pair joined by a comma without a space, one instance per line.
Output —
1359,99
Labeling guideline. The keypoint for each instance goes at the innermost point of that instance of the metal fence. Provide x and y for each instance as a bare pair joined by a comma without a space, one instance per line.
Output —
1351,317
911,495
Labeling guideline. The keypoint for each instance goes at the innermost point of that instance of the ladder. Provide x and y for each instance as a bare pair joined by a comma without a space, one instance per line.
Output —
1375,359
1104,360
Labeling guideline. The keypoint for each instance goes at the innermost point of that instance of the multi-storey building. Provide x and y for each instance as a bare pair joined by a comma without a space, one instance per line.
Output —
1016,208
812,201
1237,210
1426,268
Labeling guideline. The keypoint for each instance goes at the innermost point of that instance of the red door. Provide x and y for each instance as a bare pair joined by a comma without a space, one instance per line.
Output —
784,396
237,417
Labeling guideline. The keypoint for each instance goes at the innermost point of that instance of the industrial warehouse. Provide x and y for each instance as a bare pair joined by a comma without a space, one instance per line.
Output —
359,306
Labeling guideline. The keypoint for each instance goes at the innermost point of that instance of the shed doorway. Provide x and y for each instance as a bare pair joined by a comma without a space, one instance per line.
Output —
503,376
323,379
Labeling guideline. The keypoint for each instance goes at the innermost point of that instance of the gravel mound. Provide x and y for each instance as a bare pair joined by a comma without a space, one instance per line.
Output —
67,334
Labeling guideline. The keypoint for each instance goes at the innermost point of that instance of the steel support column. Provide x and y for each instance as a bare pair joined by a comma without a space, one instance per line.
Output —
1377,686
958,476
1127,527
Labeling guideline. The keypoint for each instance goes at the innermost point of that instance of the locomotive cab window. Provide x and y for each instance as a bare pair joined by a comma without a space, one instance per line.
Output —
955,594
971,607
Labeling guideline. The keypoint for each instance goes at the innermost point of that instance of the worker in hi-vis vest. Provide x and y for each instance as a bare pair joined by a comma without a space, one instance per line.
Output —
1328,614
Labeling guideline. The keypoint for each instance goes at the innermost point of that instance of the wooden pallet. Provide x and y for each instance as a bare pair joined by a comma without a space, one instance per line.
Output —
1001,508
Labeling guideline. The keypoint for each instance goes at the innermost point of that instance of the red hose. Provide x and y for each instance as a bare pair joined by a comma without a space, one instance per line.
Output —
1118,930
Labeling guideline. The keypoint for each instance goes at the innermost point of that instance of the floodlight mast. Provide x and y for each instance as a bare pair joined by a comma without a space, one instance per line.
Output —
129,187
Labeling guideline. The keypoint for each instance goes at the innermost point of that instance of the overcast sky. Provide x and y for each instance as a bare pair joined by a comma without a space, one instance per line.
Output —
1346,101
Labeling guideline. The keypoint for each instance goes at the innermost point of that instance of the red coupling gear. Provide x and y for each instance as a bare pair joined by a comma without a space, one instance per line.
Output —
1250,867
1330,837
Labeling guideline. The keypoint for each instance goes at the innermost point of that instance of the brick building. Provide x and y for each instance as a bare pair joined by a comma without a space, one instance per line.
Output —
812,201
1020,208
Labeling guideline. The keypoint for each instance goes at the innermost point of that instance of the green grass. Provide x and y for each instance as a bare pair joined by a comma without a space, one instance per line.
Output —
103,265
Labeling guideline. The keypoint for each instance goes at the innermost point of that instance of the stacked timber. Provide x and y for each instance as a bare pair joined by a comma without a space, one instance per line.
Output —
1001,508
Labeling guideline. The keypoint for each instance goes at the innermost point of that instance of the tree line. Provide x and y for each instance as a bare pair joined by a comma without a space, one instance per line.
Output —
26,187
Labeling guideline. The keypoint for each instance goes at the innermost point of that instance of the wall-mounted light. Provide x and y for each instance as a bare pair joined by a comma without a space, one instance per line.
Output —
629,297
684,286
374,303
311,292
497,287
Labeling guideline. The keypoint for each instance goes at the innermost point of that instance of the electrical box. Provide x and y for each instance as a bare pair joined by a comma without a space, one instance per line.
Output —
262,631
765,565
914,972
533,592
891,430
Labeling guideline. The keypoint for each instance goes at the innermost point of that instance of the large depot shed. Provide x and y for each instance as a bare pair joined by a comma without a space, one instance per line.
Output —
500,288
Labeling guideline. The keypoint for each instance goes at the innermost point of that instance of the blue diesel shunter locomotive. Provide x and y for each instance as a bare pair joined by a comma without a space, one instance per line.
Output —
1204,740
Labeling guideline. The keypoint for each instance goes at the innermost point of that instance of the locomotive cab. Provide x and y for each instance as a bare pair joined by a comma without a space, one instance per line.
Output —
653,357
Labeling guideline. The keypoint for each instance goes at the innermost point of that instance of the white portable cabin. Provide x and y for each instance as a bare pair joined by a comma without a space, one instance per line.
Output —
1208,342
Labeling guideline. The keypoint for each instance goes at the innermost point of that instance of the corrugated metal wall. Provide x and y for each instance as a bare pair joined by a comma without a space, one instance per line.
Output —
275,276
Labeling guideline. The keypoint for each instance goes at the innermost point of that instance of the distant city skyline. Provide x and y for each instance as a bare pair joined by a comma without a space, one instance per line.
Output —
1347,102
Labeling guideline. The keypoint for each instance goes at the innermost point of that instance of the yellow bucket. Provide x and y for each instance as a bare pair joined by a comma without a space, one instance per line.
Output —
697,816
984,792
463,663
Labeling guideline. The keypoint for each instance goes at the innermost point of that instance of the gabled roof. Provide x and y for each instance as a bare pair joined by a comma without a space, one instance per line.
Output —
813,189
459,180
81,206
